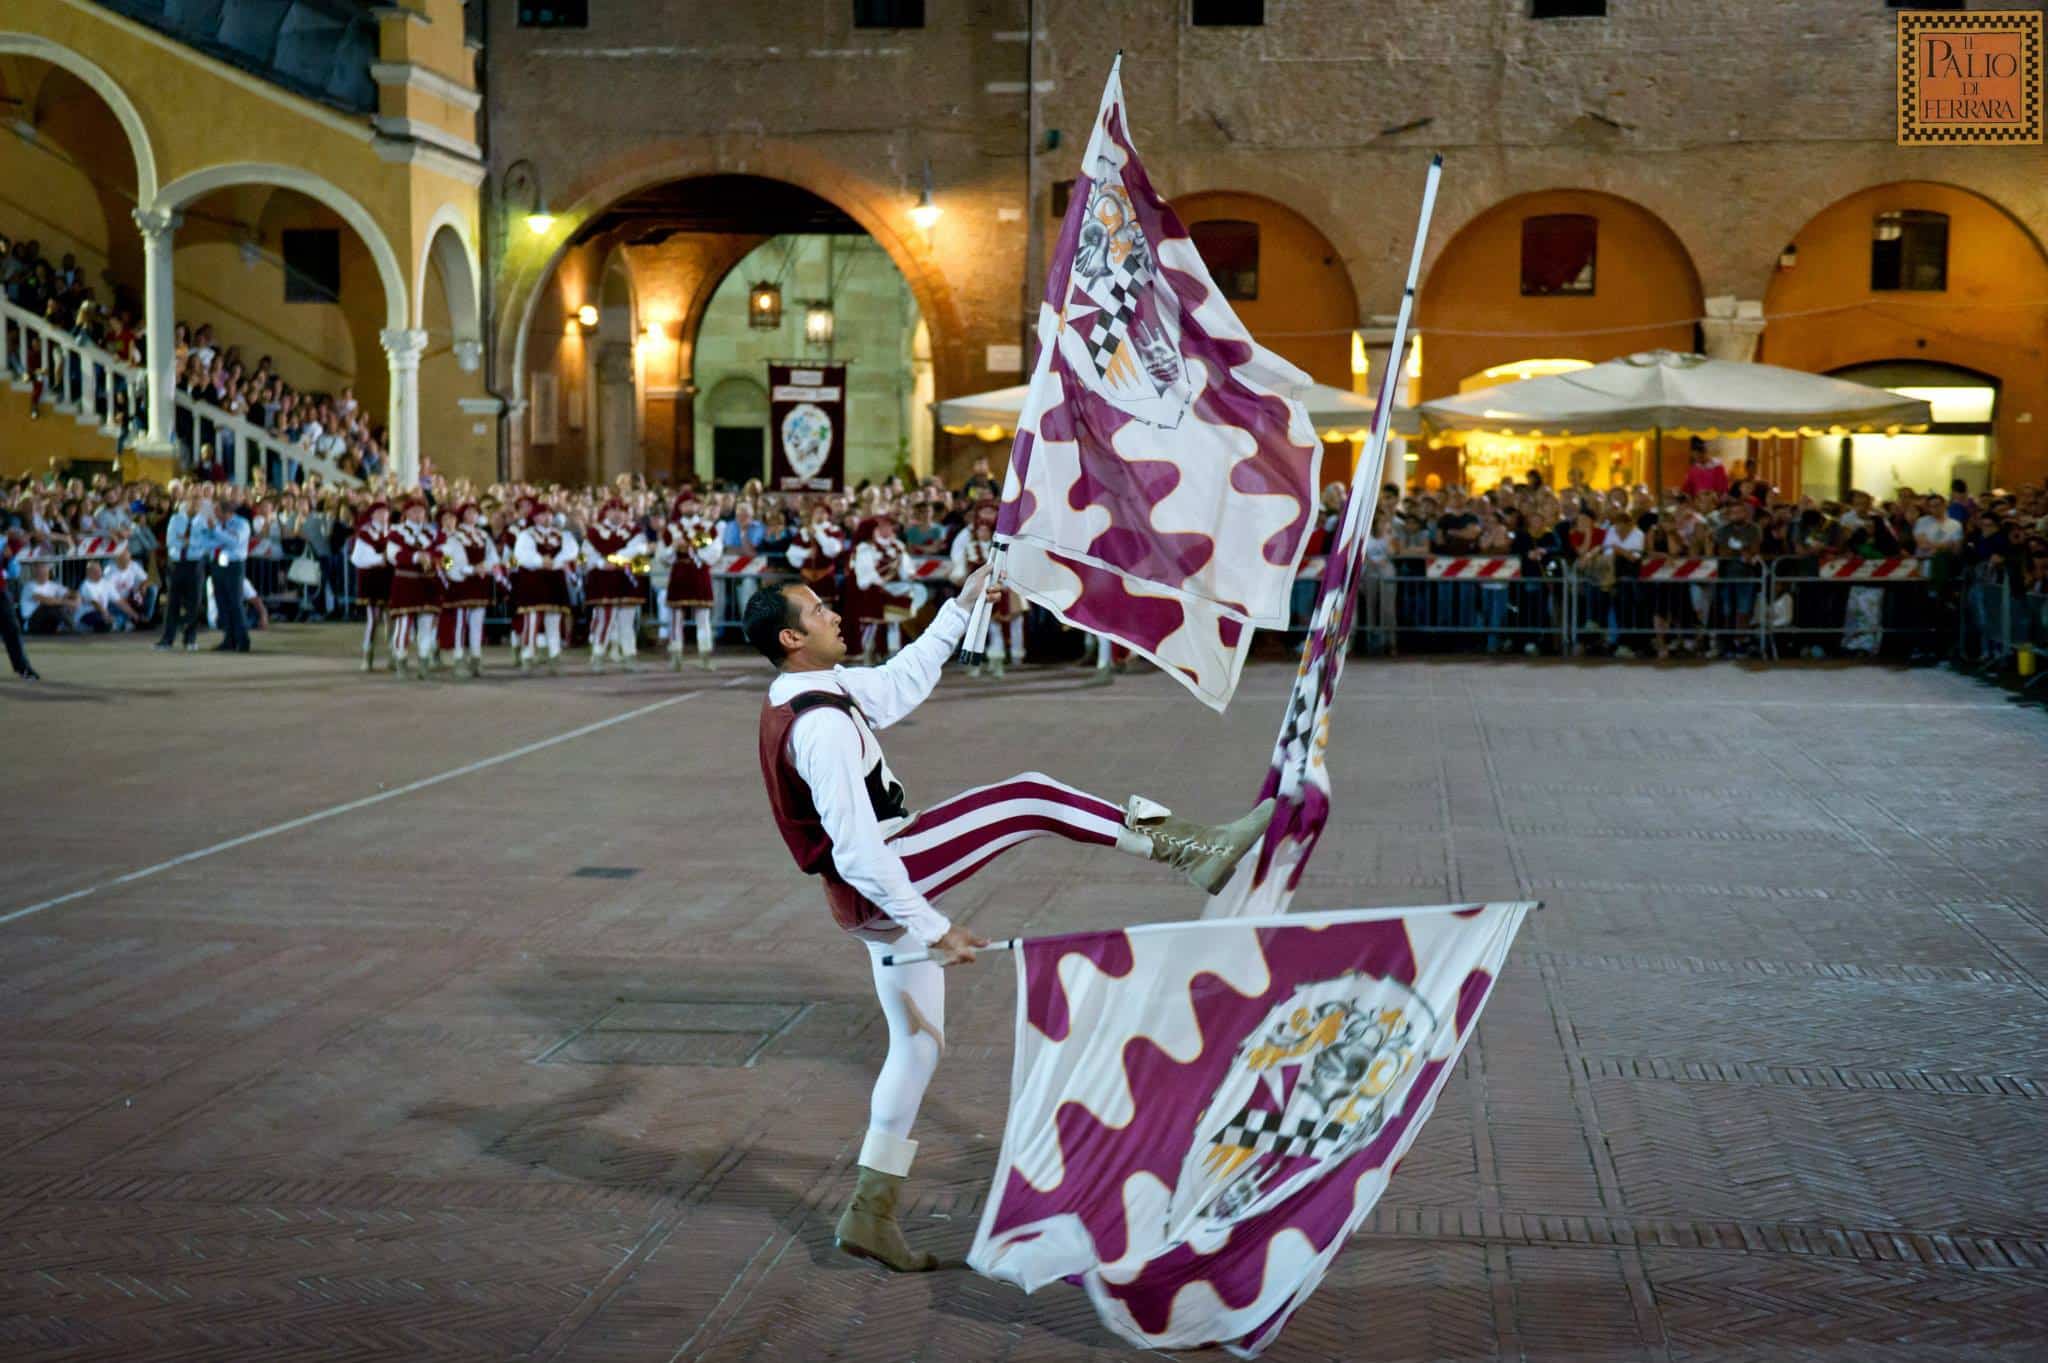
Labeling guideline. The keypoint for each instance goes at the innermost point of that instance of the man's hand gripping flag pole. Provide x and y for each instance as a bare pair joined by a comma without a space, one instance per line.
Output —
1297,780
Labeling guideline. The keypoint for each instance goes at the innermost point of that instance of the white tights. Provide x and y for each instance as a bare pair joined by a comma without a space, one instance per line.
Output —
867,638
700,617
469,630
371,615
404,627
536,625
914,1003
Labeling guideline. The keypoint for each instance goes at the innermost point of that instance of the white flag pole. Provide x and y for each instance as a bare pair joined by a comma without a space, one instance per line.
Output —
1369,474
974,644
913,957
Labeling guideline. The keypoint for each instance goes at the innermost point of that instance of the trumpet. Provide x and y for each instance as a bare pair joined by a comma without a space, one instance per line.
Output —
643,564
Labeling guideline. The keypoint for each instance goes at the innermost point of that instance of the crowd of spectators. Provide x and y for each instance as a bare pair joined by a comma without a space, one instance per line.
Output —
1600,539
1590,543
334,426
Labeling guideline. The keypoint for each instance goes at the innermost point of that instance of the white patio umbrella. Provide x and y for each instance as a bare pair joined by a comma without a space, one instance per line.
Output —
1662,391
1337,414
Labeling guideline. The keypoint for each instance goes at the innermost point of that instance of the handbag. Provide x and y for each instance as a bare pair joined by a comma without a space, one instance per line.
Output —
305,571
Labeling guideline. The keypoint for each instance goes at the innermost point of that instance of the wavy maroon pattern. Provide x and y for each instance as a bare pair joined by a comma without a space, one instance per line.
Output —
1045,1001
1106,606
1098,1158
1130,488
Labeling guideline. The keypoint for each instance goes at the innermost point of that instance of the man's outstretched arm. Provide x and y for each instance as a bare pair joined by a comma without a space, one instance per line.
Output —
887,693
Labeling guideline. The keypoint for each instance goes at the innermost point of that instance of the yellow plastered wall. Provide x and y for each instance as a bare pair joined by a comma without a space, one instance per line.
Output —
1981,321
197,115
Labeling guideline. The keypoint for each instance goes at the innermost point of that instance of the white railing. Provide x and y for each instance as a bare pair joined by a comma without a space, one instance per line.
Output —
83,381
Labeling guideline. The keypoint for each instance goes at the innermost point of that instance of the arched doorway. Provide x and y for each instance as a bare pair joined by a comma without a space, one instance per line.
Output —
688,251
1571,274
1957,445
283,265
1288,285
1916,282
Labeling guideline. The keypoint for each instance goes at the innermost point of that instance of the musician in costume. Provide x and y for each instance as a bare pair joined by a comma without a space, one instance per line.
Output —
414,551
972,548
815,551
610,589
366,554
470,561
692,550
542,556
880,592
847,820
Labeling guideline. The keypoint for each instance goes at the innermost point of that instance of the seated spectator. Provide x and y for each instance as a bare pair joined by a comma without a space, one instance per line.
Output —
47,606
133,596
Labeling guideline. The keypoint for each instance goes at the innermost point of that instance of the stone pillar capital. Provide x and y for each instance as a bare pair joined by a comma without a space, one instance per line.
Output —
1731,327
403,346
156,223
469,356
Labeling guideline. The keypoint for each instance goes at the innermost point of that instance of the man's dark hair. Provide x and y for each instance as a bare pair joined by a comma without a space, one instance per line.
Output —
769,612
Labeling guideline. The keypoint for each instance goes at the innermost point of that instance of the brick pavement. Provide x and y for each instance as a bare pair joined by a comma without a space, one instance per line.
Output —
1766,1081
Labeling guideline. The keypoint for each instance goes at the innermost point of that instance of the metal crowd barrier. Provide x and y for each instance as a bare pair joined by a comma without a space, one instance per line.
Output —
1994,622
1856,607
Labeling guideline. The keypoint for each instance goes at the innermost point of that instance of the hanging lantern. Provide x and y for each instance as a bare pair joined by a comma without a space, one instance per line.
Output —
818,323
764,306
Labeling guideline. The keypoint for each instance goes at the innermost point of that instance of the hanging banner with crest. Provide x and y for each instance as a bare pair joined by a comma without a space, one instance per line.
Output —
1162,480
1202,1113
807,426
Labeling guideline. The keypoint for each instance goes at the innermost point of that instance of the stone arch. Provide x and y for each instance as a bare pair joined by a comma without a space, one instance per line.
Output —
1821,314
451,252
1646,295
737,401
187,188
881,212
126,112
1304,285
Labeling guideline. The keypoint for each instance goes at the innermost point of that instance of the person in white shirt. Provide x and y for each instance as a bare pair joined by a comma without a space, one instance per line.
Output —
47,605
96,597
1936,532
846,818
132,595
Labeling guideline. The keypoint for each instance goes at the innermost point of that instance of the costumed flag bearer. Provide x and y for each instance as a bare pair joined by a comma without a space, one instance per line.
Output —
470,559
847,820
879,589
366,554
609,587
692,550
541,558
414,551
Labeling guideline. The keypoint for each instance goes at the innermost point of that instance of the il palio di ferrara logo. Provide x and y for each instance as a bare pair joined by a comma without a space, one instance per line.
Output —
1969,77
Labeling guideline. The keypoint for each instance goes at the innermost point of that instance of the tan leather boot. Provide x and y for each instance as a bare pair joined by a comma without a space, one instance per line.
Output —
1205,853
867,1229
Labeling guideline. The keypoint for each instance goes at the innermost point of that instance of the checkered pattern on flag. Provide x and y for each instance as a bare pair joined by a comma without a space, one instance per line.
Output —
1202,1113
1162,481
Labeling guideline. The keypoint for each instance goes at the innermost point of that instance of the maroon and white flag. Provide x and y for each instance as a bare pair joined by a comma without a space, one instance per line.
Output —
1162,481
1298,779
1202,1113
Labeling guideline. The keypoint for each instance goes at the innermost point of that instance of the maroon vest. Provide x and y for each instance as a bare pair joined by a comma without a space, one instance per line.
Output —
789,799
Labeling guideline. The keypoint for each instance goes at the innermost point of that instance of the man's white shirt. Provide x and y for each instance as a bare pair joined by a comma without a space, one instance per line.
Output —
834,751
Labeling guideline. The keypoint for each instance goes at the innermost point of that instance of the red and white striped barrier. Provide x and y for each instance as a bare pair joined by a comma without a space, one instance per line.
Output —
91,546
1870,569
1681,569
753,565
1489,569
